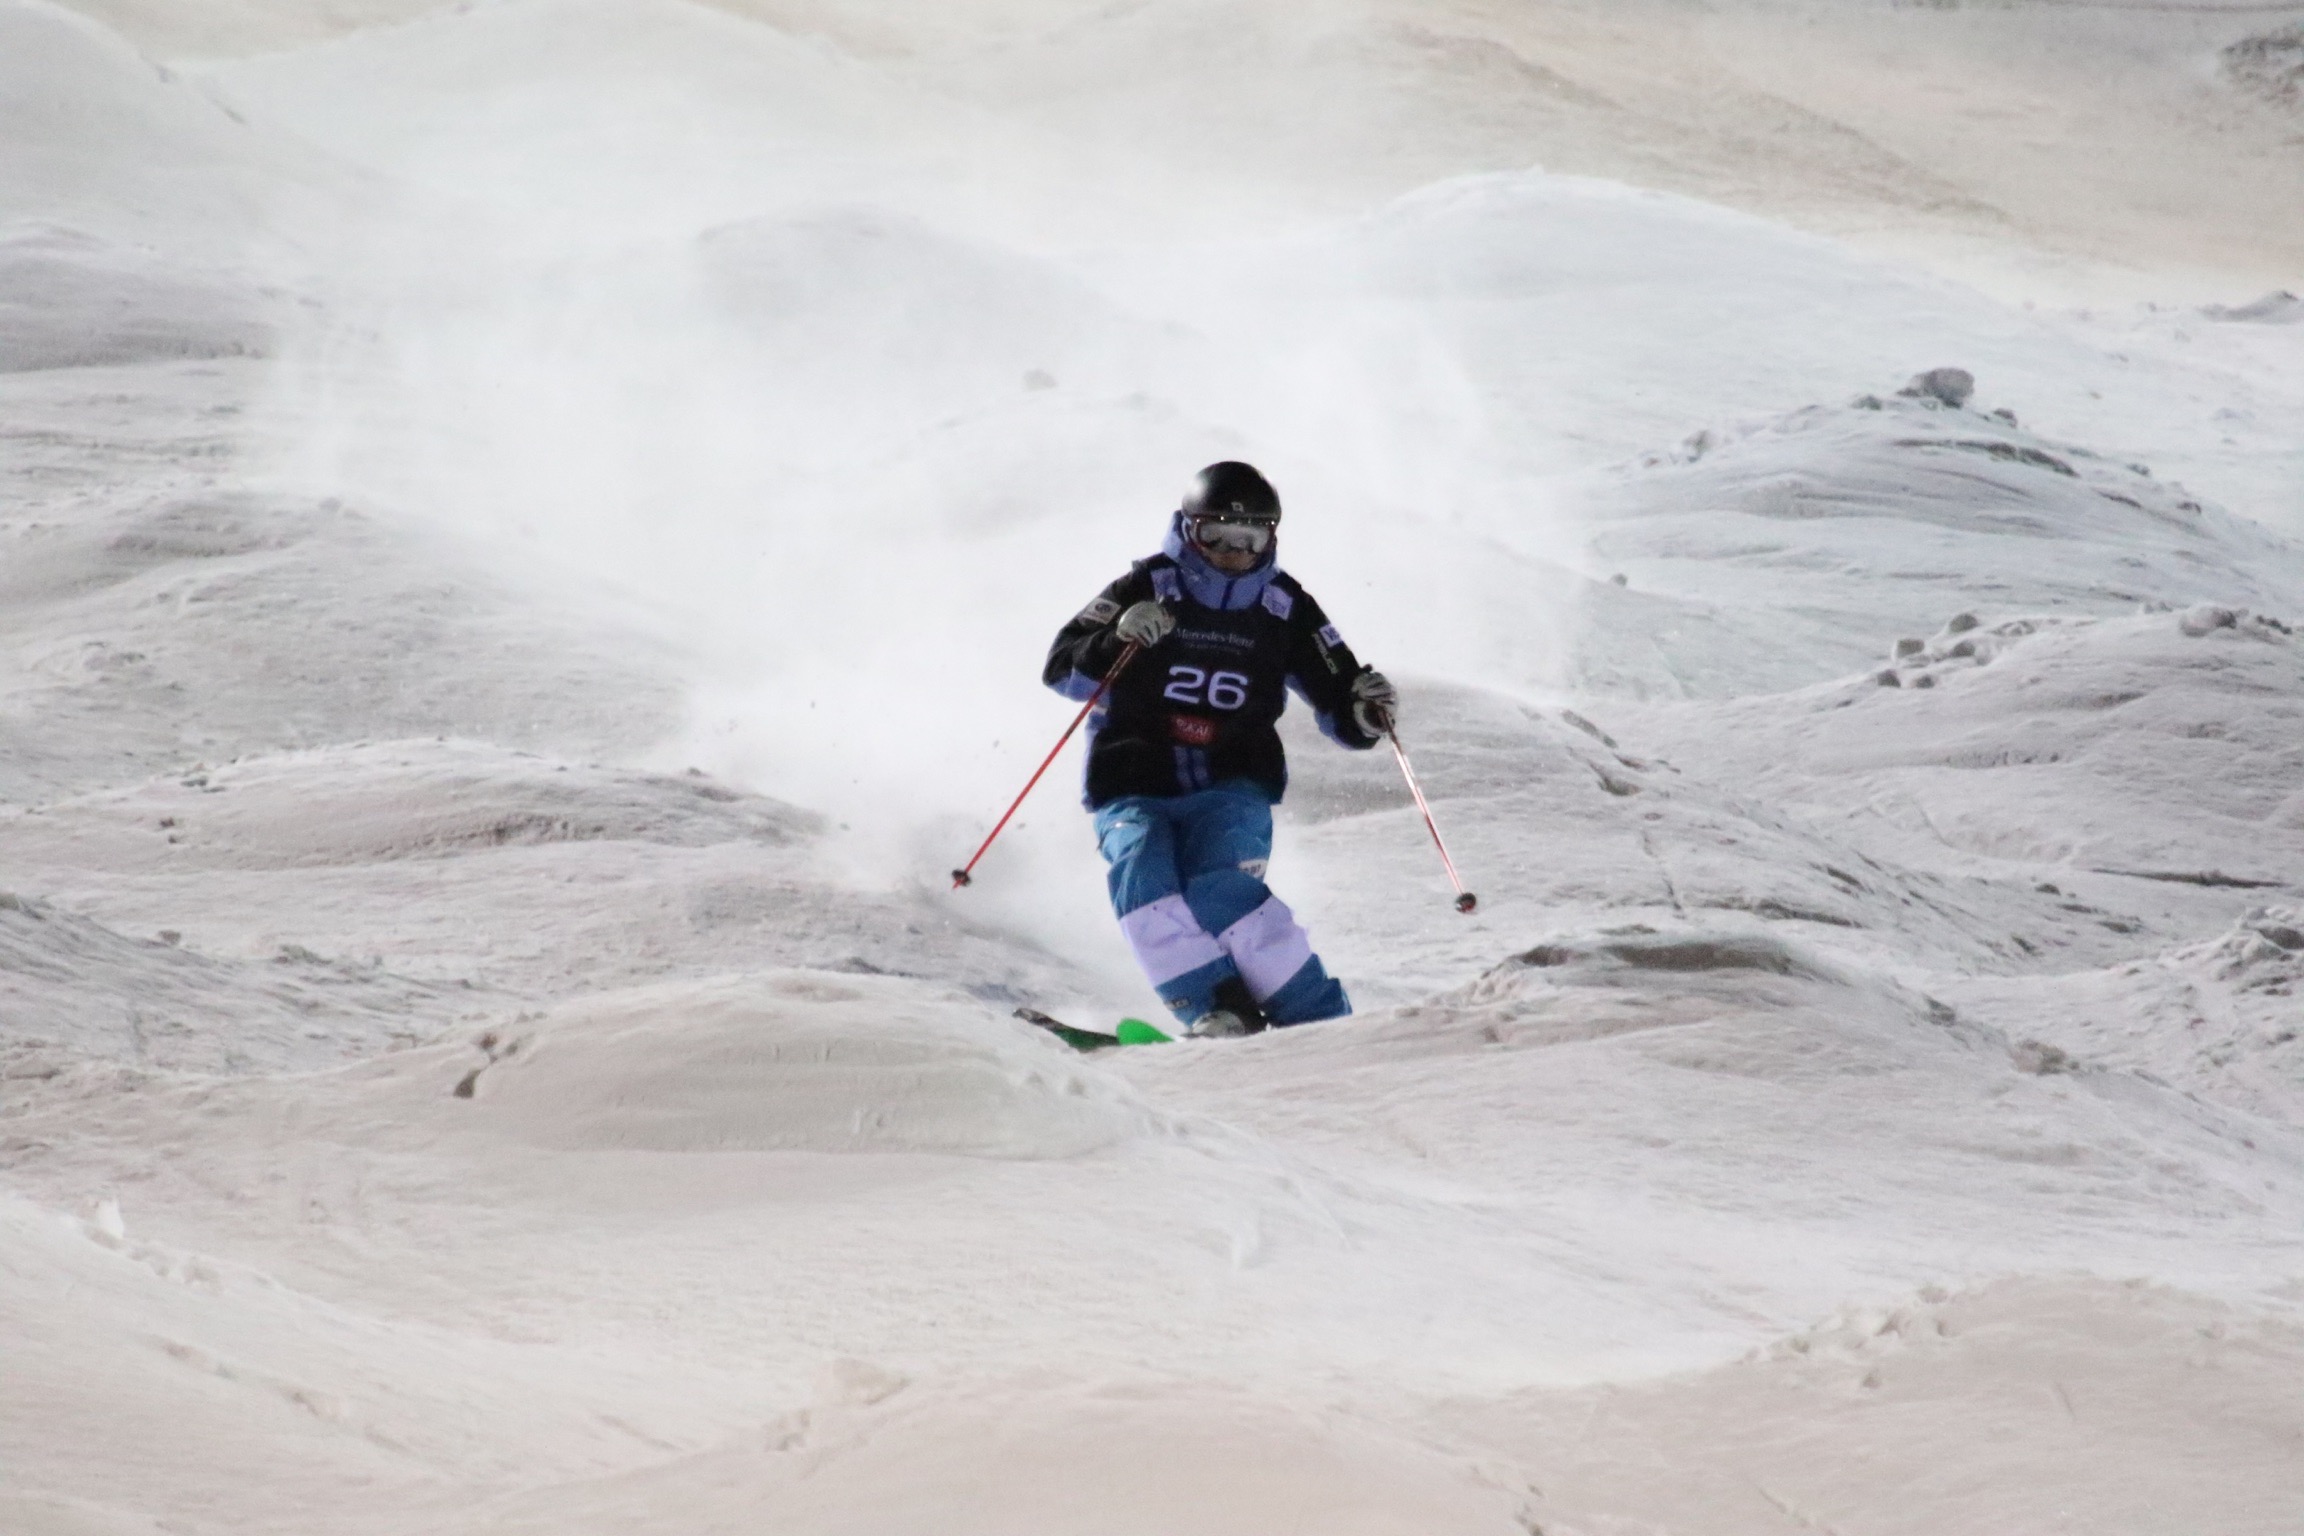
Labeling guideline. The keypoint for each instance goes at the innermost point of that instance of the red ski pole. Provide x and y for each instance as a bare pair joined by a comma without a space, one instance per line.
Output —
961,876
1465,900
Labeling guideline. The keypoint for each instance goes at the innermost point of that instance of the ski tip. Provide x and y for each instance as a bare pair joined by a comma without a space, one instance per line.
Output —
1078,1039
1466,901
961,877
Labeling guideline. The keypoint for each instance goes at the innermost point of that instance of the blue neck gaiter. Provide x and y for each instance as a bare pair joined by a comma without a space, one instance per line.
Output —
1210,587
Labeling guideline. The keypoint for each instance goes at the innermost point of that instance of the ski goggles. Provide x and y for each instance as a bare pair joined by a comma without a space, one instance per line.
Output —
1242,535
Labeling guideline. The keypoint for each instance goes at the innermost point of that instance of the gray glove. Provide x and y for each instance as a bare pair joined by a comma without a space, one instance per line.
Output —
1147,623
1374,701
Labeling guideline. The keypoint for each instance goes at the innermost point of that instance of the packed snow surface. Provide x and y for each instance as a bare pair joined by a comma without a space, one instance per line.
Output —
527,533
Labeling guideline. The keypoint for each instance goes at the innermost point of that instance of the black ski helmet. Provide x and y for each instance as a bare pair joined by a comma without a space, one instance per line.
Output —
1232,490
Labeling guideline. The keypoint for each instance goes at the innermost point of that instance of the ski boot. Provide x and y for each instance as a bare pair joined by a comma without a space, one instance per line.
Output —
1234,1015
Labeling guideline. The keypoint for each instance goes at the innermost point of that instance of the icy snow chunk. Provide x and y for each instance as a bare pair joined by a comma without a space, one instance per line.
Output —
1951,386
852,1383
2278,308
2207,618
2263,951
2040,1059
103,1221
798,1061
2271,63
2277,926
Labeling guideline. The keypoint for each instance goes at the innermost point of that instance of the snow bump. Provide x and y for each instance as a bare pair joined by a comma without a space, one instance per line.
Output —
796,1061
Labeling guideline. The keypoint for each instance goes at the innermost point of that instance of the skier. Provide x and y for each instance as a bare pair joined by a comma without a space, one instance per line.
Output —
1184,765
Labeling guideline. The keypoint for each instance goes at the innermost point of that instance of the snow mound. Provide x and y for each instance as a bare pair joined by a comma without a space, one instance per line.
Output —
2031,1404
1766,559
95,138
61,1515
1635,952
73,989
2159,747
2068,794
1603,1083
1568,306
164,30
1590,987
69,300
2219,1018
1049,1459
796,1061
393,800
164,622
1629,815
157,1336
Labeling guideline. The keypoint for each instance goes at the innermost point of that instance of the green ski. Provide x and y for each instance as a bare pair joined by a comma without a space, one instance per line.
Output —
1131,1032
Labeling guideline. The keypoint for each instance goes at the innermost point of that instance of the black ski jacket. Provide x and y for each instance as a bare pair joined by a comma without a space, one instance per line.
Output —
1200,707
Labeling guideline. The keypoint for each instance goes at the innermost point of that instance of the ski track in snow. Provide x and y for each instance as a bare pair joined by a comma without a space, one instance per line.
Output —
525,542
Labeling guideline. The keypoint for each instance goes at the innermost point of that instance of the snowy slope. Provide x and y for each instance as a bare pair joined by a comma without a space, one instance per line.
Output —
1809,539
486,1044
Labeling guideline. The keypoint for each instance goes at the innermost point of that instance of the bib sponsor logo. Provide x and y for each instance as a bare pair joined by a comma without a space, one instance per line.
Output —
1192,730
1221,639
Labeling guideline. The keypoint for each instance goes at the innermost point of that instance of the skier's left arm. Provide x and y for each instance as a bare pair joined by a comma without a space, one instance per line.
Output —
1352,702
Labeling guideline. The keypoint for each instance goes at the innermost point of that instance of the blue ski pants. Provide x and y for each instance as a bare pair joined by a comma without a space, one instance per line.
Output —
1187,879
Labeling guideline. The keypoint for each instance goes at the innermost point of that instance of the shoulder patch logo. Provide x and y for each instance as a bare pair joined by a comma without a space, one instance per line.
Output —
1101,611
1166,585
1278,602
1329,637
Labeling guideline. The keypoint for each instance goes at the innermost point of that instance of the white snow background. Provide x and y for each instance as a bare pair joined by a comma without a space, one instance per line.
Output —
527,535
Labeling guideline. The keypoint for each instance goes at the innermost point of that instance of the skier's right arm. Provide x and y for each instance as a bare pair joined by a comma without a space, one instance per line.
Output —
1085,649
